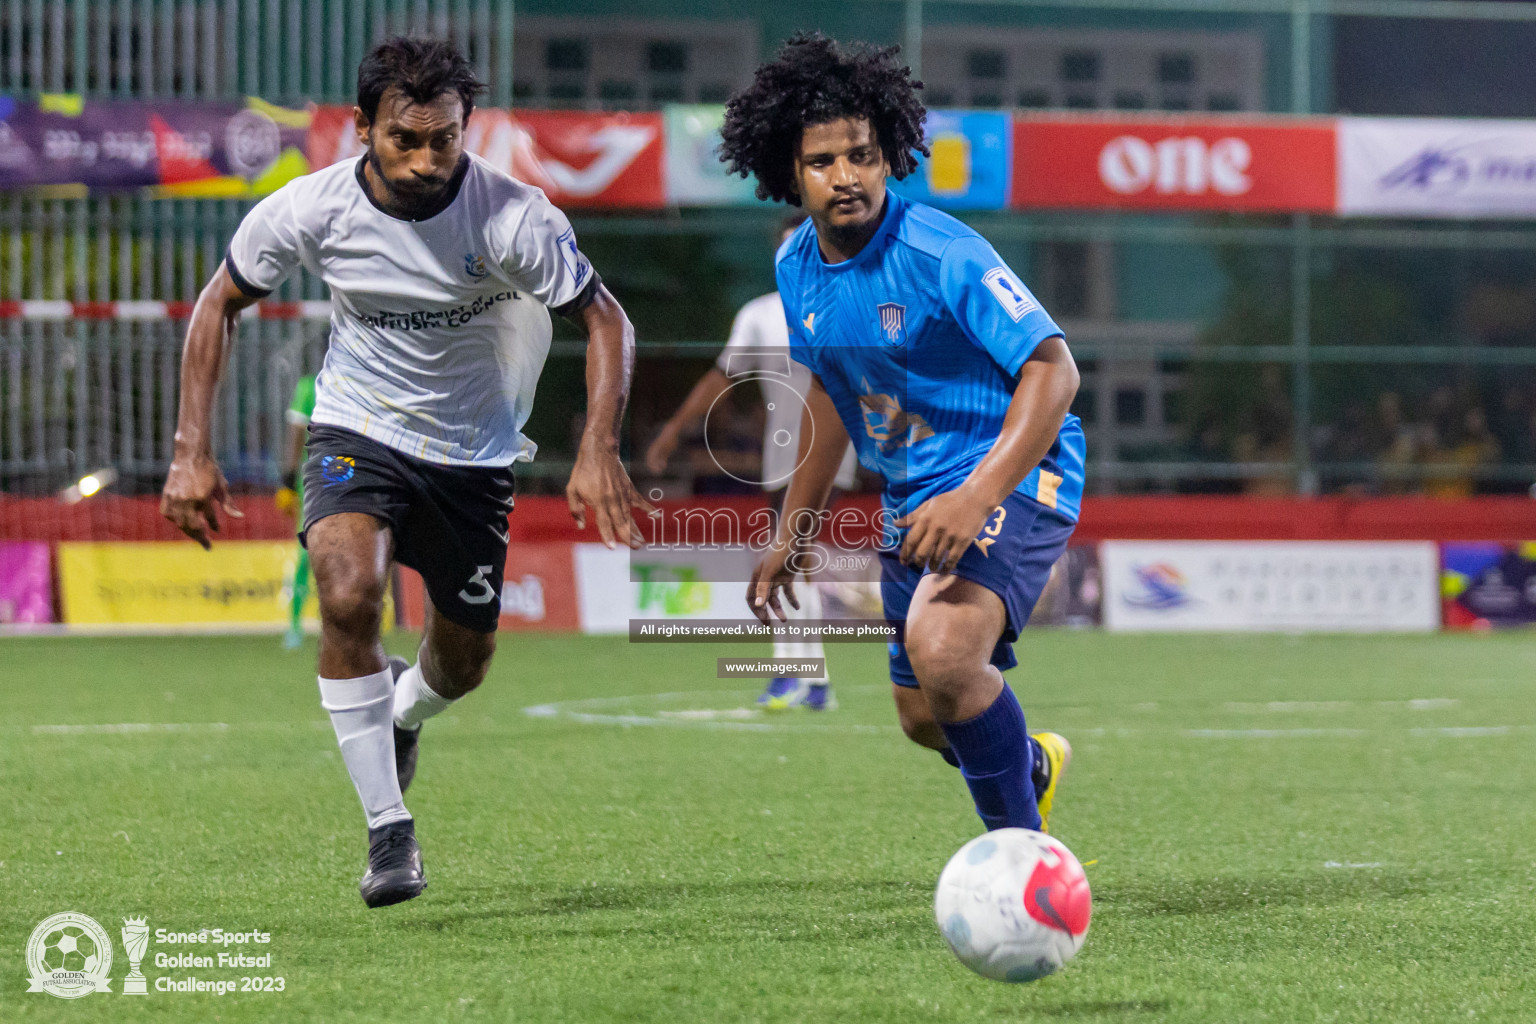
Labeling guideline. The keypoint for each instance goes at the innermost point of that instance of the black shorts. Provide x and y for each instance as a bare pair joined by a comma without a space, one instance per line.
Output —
449,522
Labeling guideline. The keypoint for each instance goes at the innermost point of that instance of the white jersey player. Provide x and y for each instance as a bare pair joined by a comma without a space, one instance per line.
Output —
442,272
758,351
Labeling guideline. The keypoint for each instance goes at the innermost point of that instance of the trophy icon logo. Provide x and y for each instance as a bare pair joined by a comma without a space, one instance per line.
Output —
135,941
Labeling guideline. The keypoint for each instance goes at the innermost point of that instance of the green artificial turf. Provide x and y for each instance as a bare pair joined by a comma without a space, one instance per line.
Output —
1277,828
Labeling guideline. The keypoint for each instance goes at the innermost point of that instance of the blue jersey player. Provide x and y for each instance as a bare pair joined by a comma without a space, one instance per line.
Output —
952,382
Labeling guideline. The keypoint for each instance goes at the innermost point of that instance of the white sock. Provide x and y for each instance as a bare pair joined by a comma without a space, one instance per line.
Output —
415,701
810,608
360,714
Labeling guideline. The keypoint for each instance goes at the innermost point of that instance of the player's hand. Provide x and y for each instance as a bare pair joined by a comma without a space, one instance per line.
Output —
771,576
661,450
195,490
599,480
941,529
287,501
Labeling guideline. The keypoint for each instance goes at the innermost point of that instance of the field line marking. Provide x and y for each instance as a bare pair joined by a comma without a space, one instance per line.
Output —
1270,734
128,727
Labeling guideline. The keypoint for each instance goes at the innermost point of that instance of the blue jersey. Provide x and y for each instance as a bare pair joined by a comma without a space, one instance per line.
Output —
919,340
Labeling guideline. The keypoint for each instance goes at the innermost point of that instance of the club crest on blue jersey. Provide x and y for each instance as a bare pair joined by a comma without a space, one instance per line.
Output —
474,266
893,323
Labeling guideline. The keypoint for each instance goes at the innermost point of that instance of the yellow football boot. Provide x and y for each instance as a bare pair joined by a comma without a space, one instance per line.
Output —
1058,754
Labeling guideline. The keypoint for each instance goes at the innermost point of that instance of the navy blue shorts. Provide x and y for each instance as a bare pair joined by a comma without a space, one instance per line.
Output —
1012,557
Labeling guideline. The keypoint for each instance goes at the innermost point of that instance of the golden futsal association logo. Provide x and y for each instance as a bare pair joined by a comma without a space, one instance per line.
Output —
69,955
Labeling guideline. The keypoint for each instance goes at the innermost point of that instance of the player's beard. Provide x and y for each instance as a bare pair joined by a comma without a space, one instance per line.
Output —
409,201
850,238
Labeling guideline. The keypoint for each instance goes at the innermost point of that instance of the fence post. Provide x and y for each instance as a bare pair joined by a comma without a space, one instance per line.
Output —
1301,266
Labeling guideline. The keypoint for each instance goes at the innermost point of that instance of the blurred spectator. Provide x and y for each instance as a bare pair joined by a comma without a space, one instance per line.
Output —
1268,438
1468,445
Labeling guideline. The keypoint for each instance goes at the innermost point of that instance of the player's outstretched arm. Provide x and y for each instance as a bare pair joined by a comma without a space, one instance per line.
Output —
708,388
941,528
822,444
195,488
599,478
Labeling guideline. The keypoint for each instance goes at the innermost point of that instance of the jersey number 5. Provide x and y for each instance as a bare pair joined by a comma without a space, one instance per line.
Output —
486,591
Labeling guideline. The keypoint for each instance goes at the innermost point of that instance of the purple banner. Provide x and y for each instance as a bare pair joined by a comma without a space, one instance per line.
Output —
26,588
175,148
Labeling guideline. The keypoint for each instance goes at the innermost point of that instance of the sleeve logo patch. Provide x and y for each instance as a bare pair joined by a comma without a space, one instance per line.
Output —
1008,292
575,263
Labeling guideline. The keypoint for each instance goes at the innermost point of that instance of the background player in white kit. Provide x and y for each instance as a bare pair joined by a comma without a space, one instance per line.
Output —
758,349
442,270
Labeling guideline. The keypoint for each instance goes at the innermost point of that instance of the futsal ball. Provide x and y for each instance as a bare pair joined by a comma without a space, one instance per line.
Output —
1013,905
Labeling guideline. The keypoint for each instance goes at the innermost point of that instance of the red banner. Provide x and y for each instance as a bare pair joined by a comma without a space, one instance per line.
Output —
1278,164
537,593
577,158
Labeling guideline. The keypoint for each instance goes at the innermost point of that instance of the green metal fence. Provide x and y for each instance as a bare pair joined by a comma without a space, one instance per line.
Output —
1170,312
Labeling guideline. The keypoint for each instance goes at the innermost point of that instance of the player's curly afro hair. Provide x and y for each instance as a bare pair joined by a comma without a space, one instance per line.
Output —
813,81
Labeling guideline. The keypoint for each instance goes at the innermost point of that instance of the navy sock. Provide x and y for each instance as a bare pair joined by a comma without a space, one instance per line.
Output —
997,760
948,754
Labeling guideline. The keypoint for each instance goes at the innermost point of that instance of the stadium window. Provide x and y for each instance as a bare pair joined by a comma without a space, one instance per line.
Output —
565,55
1065,277
938,98
522,89
1176,68
1080,66
1084,407
667,92
606,62
666,57
611,91
987,63
1130,407
986,99
1125,69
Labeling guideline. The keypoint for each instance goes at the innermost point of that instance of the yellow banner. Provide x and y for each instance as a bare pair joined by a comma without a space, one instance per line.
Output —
238,583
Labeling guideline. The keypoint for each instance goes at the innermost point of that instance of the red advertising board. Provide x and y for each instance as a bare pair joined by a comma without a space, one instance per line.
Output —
583,159
537,593
577,158
1167,163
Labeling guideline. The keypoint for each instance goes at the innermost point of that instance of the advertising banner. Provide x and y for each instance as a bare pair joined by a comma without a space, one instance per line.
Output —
578,158
538,591
173,147
1167,163
238,584
695,175
1486,585
1338,586
26,583
968,165
615,586
1436,167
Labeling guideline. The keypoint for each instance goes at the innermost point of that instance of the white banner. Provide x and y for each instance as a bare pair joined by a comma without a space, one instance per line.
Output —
615,586
1323,586
1436,167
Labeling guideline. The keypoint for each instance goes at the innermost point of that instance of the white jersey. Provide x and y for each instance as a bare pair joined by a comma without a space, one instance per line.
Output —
758,349
439,327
